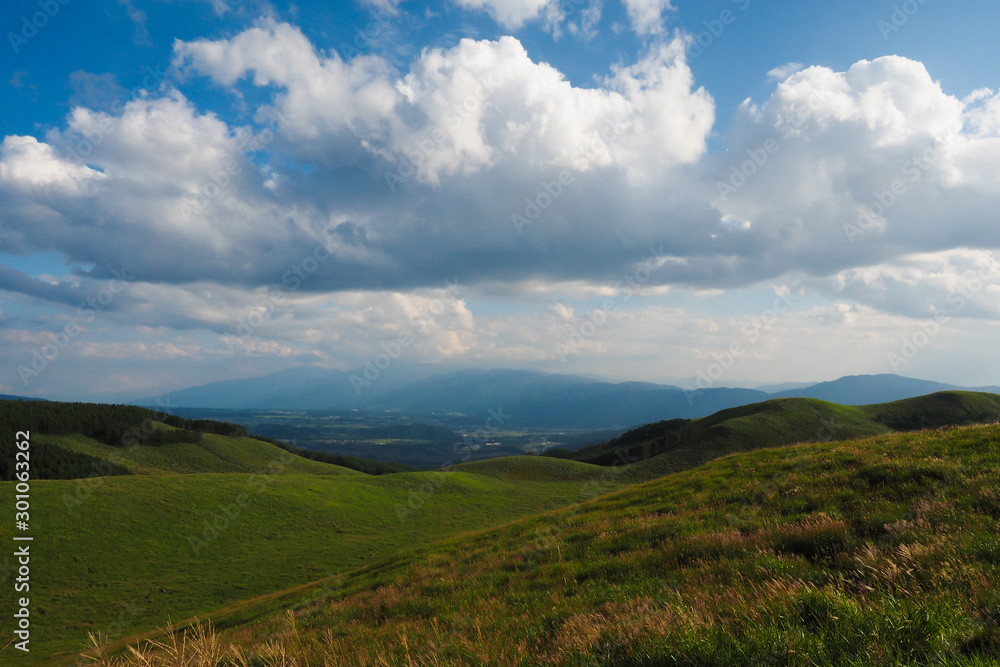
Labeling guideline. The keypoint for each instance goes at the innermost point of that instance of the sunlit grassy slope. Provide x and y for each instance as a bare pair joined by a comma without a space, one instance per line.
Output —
878,551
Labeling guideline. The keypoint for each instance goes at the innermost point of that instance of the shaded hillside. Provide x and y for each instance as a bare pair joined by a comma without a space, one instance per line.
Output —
680,444
948,408
80,440
209,454
51,460
114,425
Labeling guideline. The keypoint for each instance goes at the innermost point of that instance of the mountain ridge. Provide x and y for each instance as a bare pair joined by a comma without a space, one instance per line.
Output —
534,399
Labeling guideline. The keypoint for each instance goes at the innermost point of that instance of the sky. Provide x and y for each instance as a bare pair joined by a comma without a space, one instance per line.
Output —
732,191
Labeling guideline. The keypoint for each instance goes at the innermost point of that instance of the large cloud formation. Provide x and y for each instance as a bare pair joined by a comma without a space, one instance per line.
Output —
859,167
408,179
404,179
354,183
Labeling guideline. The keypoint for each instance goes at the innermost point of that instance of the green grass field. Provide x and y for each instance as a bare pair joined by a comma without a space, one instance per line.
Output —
171,542
876,551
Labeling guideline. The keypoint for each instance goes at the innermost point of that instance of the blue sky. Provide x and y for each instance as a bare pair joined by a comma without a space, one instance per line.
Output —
251,186
956,43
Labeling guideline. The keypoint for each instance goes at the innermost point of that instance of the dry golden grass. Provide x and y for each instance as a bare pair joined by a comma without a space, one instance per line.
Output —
201,646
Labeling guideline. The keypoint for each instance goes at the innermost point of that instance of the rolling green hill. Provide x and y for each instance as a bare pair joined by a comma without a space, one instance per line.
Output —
167,542
210,454
217,526
681,444
876,551
945,408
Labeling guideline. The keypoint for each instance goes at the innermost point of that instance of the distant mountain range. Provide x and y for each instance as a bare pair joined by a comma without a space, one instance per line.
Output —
531,399
868,389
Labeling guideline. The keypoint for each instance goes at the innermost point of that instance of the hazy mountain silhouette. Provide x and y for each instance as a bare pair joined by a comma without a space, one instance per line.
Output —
530,398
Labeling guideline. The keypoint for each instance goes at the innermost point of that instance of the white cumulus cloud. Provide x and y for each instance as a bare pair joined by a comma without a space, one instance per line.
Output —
646,16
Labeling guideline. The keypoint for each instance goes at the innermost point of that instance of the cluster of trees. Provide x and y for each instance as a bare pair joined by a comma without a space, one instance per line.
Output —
50,461
114,425
106,423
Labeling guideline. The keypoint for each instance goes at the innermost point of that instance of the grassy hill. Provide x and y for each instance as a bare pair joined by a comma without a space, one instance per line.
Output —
201,526
946,408
210,454
78,440
877,551
219,526
681,444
